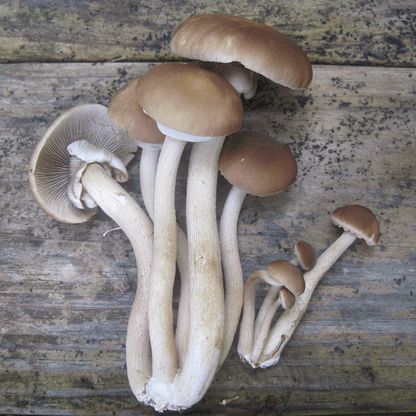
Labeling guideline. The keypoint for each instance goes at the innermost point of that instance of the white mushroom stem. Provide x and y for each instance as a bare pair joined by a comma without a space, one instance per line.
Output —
124,210
233,274
165,363
148,168
288,321
206,285
268,301
206,297
261,336
246,337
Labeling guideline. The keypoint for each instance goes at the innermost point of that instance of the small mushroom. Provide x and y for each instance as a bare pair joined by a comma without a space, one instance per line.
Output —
85,145
279,274
305,256
256,164
358,222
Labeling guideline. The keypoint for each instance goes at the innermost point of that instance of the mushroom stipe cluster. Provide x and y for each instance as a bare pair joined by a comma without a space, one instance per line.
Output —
80,161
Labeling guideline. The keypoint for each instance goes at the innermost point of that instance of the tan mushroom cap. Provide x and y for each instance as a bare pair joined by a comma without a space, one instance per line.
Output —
126,112
260,48
306,254
190,100
359,221
257,163
49,168
288,275
287,298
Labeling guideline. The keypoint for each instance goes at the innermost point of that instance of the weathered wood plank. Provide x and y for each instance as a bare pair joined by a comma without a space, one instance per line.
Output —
331,31
66,291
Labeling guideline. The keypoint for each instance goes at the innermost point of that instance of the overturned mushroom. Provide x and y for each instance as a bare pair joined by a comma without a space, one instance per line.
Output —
76,160
358,222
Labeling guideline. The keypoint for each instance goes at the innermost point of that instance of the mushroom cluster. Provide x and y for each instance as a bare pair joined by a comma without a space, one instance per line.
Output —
81,158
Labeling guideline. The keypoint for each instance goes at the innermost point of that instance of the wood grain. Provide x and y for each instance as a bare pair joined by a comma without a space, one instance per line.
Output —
66,290
331,31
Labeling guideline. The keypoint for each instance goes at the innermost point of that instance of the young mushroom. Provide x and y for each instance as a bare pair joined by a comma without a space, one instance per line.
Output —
259,165
279,274
73,165
191,104
305,257
357,222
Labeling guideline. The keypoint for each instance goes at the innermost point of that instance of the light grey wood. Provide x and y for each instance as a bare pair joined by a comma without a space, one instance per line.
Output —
331,31
66,290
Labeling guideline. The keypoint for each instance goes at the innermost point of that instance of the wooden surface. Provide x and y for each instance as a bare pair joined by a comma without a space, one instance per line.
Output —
331,31
66,290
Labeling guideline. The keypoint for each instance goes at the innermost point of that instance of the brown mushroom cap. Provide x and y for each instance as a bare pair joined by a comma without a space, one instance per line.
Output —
359,221
262,49
126,112
257,163
306,254
288,275
190,100
287,298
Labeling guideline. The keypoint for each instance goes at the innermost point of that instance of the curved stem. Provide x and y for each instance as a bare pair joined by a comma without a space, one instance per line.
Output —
268,301
148,169
233,274
206,286
261,336
124,210
289,320
164,263
183,320
246,337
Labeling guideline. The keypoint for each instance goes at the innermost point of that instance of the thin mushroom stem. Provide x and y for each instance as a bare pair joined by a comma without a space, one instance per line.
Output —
124,210
289,320
268,301
206,286
246,336
164,263
148,168
233,274
261,337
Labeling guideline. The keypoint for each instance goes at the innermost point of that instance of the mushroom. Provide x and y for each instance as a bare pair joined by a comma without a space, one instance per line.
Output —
279,274
357,222
126,112
257,164
75,161
193,104
305,256
230,39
